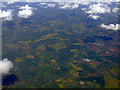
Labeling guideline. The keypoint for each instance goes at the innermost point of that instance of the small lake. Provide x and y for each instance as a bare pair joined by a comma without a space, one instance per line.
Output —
104,37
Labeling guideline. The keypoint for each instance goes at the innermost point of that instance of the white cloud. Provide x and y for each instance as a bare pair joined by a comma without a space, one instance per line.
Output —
5,66
110,26
6,15
42,3
69,5
51,5
2,5
10,2
25,12
95,9
62,5
84,9
46,5
26,7
88,60
115,9
84,3
98,8
95,17
75,6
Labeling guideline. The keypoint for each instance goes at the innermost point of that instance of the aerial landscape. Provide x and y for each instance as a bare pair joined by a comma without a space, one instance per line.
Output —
60,44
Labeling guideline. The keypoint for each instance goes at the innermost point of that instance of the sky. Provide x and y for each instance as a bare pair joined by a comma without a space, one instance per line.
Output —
60,0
